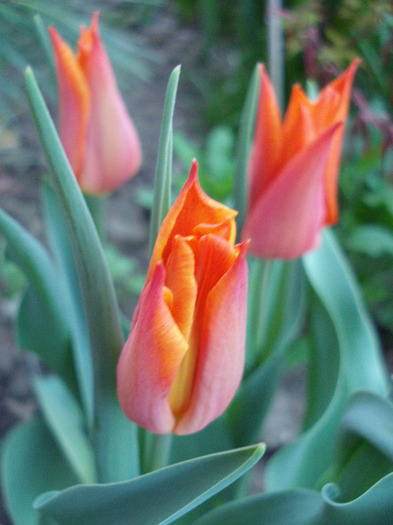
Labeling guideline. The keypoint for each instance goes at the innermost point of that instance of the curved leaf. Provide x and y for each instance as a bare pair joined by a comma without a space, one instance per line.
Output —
65,419
156,498
360,366
307,507
365,444
31,464
42,307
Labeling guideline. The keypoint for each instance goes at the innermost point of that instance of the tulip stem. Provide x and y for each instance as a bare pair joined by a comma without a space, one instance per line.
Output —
161,445
259,287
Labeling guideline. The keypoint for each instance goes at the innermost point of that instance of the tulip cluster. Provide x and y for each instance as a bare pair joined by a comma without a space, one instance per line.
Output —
293,168
97,134
183,360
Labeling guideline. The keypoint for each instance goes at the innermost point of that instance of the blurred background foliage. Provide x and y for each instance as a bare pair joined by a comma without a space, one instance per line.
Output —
321,37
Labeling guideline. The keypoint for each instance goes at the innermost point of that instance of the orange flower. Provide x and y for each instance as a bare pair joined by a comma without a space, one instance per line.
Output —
97,134
183,360
294,167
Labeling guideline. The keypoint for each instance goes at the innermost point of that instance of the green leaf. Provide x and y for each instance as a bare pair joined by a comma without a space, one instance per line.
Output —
65,419
323,362
371,239
61,247
214,438
31,464
365,444
106,338
308,507
156,498
278,316
244,141
163,174
43,304
368,417
360,366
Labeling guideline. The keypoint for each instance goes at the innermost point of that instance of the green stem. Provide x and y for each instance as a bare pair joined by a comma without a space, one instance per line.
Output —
258,299
161,445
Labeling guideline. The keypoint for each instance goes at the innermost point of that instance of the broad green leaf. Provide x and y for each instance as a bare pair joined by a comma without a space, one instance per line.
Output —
156,498
111,428
360,366
369,417
279,315
41,310
365,444
64,418
323,362
163,174
80,344
308,507
31,464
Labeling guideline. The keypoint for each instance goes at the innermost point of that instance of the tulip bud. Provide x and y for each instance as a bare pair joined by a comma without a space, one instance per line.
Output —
183,360
97,134
293,168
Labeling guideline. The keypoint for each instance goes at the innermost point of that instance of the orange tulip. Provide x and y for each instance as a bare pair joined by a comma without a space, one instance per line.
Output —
293,168
183,360
97,134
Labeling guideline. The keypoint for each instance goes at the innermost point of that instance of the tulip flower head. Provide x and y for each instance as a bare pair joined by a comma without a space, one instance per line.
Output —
97,134
183,360
293,168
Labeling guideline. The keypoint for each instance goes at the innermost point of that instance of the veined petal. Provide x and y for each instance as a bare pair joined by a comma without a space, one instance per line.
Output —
191,208
213,258
220,358
180,279
150,359
267,142
113,151
286,221
74,102
299,129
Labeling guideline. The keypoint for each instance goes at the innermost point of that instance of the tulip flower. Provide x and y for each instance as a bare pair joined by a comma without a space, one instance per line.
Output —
183,360
293,168
97,134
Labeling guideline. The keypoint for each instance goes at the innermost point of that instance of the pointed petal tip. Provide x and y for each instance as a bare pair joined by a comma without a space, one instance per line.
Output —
94,21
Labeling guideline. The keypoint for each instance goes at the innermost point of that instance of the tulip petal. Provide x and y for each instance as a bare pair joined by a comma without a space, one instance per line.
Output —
150,359
191,208
213,258
342,86
286,221
298,129
113,151
180,279
267,143
220,359
74,101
